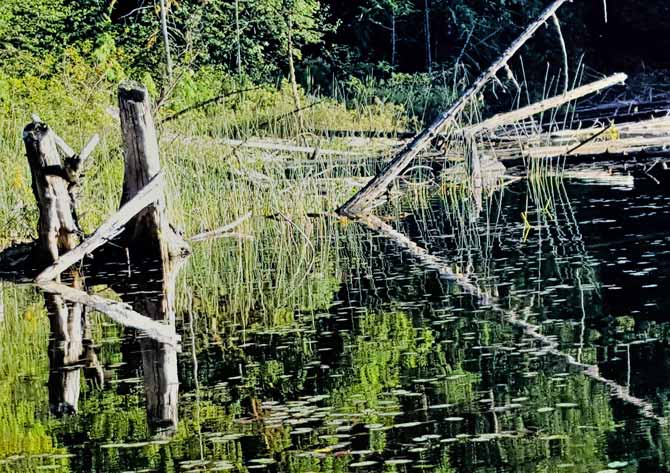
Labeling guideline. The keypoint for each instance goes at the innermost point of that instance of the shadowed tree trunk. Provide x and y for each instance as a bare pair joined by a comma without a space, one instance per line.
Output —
166,40
426,26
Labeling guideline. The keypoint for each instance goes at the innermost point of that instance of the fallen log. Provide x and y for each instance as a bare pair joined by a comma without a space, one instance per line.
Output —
544,105
117,311
222,231
109,230
367,196
624,146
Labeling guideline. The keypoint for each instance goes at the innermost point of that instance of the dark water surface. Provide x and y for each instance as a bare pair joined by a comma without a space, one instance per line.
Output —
558,362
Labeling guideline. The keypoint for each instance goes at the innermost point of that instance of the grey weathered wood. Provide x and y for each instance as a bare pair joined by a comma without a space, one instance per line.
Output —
472,162
88,148
222,231
117,311
150,228
112,227
508,118
367,196
57,227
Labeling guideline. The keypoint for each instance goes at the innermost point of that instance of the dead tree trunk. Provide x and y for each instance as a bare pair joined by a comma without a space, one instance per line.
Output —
149,231
237,38
291,71
426,26
51,180
166,41
367,196
148,237
394,40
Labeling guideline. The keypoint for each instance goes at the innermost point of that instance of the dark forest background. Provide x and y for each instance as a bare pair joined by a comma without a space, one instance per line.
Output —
331,40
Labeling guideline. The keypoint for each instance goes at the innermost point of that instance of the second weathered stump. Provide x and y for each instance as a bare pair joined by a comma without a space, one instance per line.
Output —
150,241
149,230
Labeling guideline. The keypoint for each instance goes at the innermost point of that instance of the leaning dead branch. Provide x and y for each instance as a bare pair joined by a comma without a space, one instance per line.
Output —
117,311
223,231
548,104
367,196
112,227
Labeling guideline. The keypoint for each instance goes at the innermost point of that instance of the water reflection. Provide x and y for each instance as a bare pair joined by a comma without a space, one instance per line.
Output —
70,351
394,367
71,348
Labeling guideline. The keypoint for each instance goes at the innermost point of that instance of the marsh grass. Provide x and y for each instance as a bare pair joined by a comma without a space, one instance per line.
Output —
288,263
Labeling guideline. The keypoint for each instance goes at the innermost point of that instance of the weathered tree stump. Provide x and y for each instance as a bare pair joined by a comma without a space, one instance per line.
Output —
151,242
149,229
57,227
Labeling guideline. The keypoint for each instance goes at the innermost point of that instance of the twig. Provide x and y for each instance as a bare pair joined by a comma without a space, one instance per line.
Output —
223,231
205,103
561,40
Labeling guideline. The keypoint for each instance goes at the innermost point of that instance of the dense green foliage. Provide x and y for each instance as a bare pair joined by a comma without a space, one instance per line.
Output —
331,38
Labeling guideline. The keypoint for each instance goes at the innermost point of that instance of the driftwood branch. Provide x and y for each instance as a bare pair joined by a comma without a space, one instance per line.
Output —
112,227
367,196
222,231
117,311
503,119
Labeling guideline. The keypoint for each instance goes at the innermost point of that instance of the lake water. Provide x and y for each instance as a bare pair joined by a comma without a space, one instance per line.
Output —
534,340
